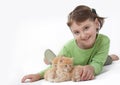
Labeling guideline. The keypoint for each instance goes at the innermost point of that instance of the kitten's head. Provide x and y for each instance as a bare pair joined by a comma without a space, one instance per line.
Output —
65,64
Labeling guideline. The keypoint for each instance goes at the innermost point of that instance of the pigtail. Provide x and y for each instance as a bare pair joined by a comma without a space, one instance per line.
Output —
100,19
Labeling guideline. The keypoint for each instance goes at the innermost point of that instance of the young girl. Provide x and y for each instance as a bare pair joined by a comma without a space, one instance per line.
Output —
88,48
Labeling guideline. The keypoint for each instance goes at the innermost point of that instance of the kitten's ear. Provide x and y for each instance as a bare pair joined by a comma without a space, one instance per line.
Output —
59,59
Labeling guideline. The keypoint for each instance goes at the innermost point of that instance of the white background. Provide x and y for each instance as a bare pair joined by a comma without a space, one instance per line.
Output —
29,27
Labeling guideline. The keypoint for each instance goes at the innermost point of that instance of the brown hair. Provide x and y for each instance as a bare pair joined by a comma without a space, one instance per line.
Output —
82,13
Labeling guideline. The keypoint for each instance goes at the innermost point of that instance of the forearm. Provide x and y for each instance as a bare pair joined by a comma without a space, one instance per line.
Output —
97,68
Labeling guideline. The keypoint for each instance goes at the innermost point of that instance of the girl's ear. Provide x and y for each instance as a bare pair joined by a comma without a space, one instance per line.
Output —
97,23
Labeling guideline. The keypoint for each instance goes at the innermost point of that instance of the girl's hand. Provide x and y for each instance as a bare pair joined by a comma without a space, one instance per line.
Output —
87,73
31,78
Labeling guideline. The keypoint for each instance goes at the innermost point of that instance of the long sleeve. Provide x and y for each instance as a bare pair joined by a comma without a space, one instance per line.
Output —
99,57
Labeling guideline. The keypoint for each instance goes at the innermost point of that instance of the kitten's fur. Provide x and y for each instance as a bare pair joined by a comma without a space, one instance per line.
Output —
62,70
76,73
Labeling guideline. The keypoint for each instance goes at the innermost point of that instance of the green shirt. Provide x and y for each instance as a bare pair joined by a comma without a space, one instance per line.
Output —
95,56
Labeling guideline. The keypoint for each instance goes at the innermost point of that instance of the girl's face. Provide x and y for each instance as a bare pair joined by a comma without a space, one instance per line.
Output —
85,33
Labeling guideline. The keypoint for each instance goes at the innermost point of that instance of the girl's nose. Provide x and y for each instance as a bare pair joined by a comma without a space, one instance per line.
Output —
82,36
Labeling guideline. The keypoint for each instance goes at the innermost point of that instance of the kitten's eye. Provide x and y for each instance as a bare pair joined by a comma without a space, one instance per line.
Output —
61,60
65,65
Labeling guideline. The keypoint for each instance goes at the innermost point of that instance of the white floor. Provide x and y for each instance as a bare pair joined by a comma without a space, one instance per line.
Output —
28,27
110,75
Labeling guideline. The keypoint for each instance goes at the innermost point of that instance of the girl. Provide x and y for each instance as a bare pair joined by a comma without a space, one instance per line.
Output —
88,48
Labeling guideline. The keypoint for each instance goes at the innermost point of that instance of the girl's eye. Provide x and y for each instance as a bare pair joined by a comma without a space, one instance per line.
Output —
86,28
76,32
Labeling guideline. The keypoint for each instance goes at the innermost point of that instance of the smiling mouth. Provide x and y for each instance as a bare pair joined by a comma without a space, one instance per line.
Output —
86,39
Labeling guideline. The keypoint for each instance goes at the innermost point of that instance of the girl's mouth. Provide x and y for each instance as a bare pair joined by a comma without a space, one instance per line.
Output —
86,39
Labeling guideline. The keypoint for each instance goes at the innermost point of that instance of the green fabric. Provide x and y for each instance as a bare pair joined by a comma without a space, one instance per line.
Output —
95,56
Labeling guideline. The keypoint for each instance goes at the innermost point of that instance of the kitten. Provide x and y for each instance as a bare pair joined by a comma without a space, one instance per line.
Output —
61,70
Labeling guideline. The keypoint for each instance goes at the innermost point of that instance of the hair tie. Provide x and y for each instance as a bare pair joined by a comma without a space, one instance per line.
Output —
94,11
